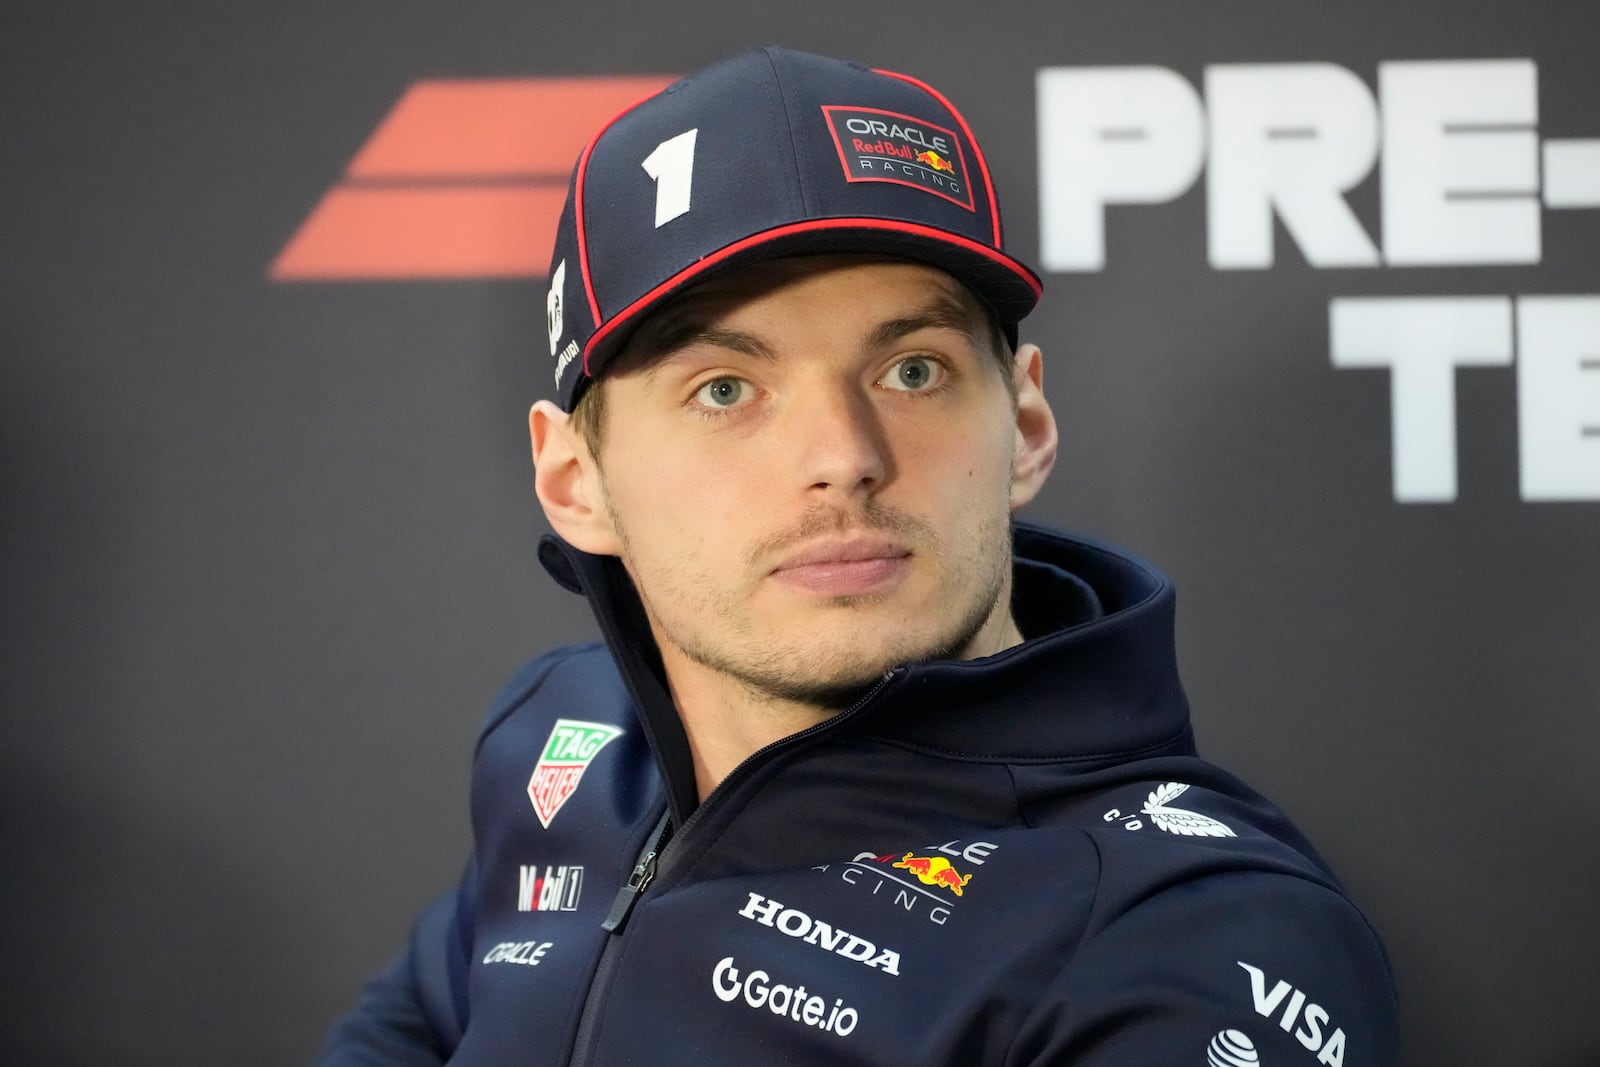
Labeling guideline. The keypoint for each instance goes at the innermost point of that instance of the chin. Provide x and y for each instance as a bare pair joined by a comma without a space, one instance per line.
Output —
837,680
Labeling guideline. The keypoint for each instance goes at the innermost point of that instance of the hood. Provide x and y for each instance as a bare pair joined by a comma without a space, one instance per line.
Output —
1095,677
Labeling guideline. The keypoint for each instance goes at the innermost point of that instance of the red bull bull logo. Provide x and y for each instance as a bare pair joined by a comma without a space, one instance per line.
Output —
933,159
934,870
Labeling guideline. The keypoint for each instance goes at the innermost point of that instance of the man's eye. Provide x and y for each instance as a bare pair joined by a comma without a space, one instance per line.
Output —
913,374
721,392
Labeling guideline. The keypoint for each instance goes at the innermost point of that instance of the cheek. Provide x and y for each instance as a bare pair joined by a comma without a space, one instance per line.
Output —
976,463
674,502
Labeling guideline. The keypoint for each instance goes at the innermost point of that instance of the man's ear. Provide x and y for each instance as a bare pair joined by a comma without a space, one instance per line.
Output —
566,479
1036,440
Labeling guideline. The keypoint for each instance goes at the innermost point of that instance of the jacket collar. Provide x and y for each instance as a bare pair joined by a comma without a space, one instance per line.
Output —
1095,678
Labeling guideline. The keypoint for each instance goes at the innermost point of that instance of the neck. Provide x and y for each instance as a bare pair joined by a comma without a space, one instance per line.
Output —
727,720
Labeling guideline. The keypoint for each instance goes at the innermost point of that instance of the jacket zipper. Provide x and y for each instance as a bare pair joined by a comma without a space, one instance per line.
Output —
644,872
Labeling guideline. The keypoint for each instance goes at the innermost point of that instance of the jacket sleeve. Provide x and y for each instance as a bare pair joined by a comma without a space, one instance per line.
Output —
1233,968
413,1012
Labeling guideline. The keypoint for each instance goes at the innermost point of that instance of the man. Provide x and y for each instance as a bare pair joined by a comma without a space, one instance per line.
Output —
865,773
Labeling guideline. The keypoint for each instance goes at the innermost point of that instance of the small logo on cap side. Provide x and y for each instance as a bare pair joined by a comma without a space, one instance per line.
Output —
552,305
885,146
555,320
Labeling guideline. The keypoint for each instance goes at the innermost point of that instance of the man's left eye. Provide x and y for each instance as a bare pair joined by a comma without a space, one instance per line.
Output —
913,374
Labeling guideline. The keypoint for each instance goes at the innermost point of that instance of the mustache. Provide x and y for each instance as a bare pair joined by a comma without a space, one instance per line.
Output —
872,517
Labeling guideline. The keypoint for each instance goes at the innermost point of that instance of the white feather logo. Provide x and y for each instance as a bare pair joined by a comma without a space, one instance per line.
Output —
1179,820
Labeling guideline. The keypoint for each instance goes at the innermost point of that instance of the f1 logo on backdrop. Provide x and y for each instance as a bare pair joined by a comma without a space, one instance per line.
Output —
1460,187
464,178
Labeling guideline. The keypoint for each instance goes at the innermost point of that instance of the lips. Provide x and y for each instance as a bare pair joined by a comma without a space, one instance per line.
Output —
853,550
845,567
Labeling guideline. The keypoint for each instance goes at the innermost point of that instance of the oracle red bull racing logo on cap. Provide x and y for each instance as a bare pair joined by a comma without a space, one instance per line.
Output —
570,749
885,146
934,870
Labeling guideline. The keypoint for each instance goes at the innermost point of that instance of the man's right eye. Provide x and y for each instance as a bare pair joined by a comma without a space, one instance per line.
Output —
721,392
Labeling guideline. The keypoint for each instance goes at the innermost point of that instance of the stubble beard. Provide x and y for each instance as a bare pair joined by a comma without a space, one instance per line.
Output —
828,675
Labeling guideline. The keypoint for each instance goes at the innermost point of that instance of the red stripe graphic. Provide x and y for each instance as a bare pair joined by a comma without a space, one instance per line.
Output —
462,179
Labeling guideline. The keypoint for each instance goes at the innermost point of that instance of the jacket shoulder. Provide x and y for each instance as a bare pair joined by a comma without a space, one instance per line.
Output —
1215,924
587,667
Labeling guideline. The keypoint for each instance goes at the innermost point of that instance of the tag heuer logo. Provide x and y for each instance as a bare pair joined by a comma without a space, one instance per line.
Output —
567,754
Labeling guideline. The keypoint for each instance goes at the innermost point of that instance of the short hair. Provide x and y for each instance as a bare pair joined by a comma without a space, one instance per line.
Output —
589,416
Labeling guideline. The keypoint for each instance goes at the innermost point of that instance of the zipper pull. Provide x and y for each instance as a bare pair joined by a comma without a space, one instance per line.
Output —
643,872
622,907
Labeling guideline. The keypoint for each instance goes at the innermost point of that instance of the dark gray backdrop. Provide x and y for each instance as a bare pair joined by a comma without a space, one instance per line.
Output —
268,547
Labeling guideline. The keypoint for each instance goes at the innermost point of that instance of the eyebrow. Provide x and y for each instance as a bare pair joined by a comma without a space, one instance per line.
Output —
675,337
940,313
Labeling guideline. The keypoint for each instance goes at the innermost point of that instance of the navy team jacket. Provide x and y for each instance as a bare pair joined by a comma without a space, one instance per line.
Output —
1013,860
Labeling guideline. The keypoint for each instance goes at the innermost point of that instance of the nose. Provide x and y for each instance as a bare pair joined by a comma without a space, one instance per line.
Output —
841,448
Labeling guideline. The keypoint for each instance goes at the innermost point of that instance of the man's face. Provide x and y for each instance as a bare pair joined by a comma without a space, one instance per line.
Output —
808,467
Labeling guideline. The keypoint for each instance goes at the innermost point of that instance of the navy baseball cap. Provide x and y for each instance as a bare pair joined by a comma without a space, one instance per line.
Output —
769,153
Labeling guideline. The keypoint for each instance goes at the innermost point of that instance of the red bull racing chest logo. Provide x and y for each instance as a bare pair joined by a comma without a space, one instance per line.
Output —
934,870
925,885
885,146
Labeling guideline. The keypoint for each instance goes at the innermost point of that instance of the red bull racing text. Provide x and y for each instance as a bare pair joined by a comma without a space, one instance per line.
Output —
882,146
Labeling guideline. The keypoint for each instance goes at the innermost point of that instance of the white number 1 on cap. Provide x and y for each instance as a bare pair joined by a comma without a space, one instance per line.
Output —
672,167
